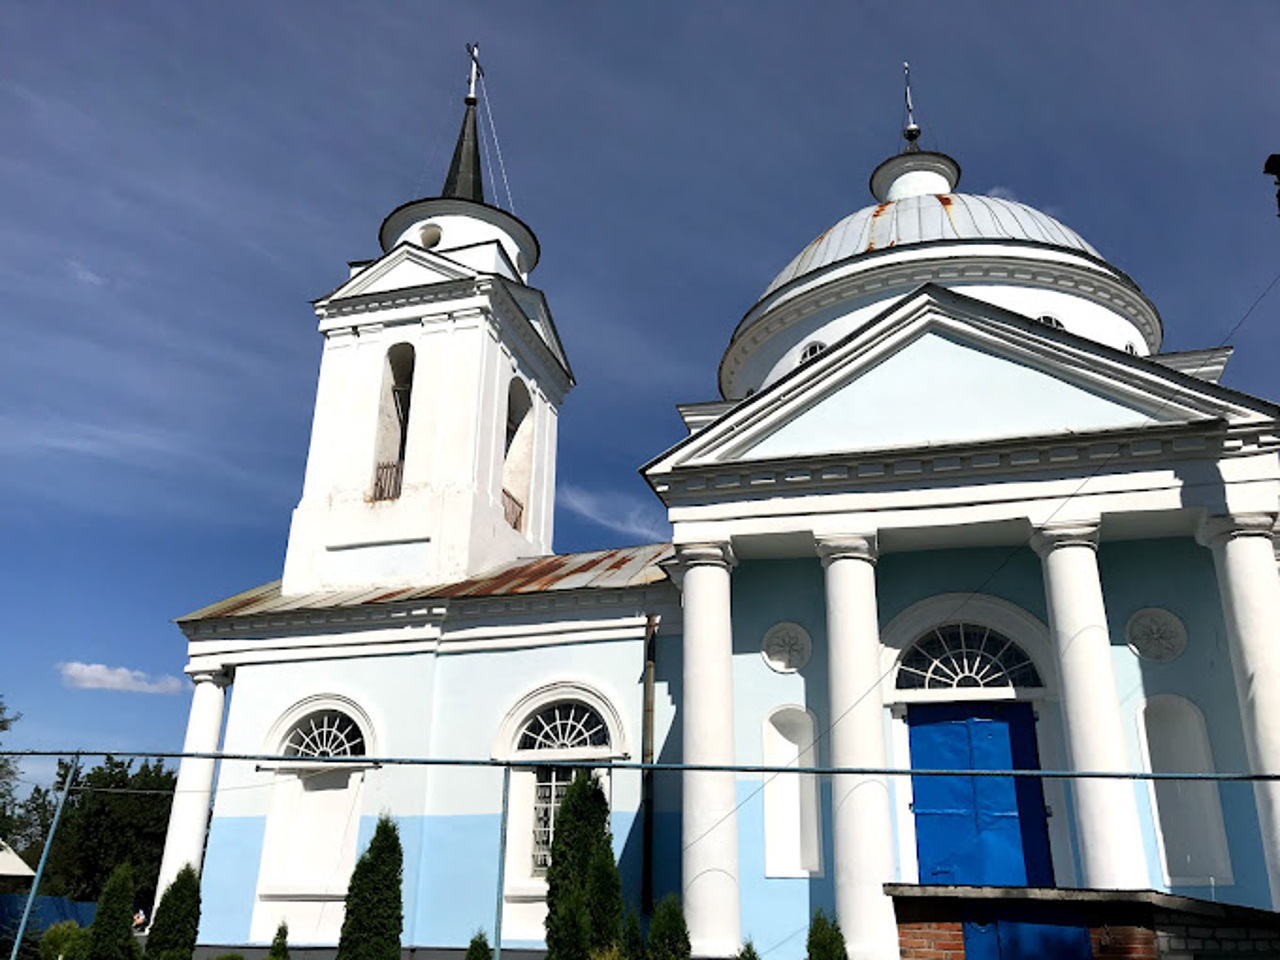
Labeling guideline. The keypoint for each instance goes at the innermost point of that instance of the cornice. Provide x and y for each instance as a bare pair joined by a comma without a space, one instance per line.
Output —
982,461
1111,290
363,310
439,613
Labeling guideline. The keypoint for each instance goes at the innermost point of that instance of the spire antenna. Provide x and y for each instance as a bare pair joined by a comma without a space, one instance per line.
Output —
477,71
910,133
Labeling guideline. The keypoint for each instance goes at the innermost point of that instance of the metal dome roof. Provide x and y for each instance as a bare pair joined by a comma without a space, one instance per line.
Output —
926,218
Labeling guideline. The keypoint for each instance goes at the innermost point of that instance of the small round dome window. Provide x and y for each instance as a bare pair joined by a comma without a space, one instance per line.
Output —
429,235
1049,320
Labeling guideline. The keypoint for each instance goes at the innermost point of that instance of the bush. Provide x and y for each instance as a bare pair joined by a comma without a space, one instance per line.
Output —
478,948
280,943
229,956
632,939
375,914
748,952
584,892
111,935
825,942
173,929
65,941
668,933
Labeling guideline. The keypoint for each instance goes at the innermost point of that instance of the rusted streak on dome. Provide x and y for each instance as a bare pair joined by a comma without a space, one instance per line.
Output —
927,218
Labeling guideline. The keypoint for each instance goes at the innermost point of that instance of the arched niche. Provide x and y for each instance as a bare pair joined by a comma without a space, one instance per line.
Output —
792,818
517,454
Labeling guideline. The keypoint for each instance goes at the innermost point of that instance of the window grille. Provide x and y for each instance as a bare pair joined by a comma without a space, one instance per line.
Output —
549,791
561,726
327,733
965,655
564,726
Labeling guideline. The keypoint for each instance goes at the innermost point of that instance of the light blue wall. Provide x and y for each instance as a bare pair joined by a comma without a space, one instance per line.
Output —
229,878
1173,573
1178,574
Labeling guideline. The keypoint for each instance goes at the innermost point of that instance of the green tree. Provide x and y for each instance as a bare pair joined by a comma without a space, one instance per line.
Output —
825,942
111,936
65,941
280,943
584,892
668,933
8,779
375,915
478,948
173,928
115,814
748,952
632,939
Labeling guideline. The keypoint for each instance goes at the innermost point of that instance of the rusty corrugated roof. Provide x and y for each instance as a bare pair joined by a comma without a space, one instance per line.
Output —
596,570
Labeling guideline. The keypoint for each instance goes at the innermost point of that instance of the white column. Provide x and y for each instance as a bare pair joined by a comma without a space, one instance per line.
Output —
862,821
189,817
1244,558
1112,854
709,804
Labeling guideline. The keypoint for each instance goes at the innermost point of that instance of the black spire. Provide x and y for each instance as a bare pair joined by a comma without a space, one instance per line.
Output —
463,181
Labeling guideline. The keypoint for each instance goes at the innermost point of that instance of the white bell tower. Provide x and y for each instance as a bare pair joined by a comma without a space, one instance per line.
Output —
433,445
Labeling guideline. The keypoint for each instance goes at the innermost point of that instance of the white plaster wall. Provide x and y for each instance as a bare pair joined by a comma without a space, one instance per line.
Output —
457,230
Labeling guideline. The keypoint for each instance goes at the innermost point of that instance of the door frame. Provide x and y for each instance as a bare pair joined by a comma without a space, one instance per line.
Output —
1032,636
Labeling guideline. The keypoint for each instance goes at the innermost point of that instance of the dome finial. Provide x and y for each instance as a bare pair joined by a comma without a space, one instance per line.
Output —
911,132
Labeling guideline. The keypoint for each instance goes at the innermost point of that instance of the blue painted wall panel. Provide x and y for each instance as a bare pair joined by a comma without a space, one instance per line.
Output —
229,878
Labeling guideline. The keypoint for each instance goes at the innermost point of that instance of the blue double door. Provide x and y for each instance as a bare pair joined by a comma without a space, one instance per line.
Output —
987,831
978,831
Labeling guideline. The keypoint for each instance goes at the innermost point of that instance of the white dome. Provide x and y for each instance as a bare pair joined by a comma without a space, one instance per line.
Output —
928,218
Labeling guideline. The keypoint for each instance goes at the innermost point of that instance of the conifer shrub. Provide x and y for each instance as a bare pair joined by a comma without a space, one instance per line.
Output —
173,929
375,914
748,952
632,942
825,942
111,935
65,941
280,943
668,933
584,891
478,948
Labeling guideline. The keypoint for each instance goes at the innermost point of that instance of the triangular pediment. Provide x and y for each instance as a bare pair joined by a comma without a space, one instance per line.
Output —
403,268
942,369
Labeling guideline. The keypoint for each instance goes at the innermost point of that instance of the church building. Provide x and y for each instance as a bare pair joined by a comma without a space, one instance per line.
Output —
951,509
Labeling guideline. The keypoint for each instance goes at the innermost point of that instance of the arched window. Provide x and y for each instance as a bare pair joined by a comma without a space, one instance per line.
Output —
1192,835
517,454
792,842
393,422
965,655
568,727
310,837
325,733
812,350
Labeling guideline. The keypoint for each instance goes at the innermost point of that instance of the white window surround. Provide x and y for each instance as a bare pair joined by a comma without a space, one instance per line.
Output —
1032,636
792,818
1191,812
524,892
299,880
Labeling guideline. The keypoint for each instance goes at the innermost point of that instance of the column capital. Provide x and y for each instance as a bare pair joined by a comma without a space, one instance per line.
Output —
1051,536
847,546
701,555
220,677
1216,528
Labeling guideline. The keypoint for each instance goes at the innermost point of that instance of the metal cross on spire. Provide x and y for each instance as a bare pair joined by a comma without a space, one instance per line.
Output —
477,71
911,133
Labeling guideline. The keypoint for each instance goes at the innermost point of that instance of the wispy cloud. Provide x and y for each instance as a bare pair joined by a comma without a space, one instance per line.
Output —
82,274
1002,193
615,511
98,676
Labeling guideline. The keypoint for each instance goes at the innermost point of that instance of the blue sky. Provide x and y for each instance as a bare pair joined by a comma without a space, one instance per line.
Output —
177,181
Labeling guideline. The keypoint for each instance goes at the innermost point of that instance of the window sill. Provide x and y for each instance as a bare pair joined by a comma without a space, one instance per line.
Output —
315,766
531,890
